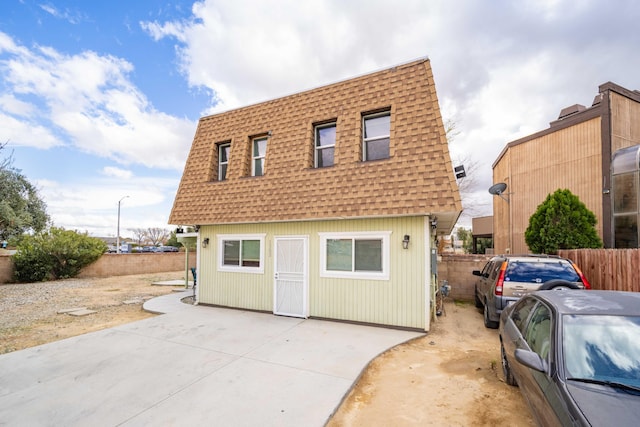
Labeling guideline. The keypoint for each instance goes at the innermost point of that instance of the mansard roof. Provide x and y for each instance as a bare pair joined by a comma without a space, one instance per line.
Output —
416,179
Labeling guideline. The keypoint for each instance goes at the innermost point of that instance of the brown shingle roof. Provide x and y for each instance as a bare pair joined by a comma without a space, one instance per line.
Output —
417,178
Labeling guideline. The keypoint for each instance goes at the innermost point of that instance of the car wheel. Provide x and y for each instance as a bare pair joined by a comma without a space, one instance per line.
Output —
478,301
488,323
558,285
506,369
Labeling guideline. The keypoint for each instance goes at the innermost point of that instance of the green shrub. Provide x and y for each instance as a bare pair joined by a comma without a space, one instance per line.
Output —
55,254
562,221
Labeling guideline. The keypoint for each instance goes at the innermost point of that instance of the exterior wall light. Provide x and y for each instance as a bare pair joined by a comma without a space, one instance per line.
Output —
405,242
205,242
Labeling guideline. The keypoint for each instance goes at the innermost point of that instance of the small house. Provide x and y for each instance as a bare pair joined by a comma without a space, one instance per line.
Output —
326,203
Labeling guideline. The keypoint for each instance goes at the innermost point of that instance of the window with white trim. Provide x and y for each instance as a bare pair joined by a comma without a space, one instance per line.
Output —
258,157
223,160
241,252
325,142
357,255
376,134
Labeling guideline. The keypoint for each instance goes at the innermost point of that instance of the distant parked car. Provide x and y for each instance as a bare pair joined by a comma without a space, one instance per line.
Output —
506,278
575,356
149,249
167,249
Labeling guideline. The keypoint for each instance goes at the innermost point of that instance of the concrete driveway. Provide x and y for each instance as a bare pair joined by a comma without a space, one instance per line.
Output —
192,366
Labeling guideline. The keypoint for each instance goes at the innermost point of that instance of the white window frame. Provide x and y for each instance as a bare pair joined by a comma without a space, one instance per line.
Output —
240,269
318,148
221,148
258,157
377,137
385,236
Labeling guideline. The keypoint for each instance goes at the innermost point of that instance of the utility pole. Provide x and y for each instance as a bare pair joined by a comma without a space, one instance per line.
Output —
118,233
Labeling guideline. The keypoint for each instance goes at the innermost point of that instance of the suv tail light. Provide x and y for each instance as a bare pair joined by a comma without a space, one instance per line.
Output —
500,282
584,280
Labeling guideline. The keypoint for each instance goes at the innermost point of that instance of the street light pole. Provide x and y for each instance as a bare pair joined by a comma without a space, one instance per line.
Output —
118,233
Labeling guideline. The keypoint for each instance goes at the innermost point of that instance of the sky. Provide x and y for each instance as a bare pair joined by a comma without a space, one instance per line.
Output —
99,100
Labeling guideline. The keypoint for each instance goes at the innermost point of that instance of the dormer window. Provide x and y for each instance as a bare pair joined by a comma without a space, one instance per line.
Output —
325,142
376,132
258,157
223,160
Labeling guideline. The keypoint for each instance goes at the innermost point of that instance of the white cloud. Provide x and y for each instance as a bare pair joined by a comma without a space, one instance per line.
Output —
14,106
503,69
88,100
73,17
15,131
92,205
117,172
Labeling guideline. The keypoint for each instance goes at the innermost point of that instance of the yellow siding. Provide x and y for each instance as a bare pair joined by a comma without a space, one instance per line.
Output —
399,301
568,158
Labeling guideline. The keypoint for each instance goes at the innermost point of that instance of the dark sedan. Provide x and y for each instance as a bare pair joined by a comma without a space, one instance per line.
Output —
575,356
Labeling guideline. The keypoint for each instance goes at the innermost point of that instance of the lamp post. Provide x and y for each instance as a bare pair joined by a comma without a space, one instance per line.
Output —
118,233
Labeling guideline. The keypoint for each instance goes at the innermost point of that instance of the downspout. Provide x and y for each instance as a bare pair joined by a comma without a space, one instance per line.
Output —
605,132
429,277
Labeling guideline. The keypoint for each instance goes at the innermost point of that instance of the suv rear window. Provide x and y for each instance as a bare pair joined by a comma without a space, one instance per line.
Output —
540,272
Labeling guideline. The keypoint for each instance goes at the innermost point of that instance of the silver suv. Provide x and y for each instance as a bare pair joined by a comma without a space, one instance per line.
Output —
506,278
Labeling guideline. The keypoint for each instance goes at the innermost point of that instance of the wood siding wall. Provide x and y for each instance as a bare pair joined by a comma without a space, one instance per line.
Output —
569,158
625,122
608,269
501,218
399,301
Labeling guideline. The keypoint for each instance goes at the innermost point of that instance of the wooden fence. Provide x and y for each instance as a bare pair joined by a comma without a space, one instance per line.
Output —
608,269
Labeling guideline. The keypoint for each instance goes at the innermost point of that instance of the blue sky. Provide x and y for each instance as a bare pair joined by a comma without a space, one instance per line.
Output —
100,100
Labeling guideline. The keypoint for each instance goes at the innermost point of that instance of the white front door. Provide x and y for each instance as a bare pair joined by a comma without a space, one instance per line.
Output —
291,281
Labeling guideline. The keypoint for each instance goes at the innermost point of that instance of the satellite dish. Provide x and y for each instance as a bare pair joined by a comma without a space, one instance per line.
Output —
497,189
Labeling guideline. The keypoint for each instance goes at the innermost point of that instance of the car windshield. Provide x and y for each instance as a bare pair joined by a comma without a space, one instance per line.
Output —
540,272
603,348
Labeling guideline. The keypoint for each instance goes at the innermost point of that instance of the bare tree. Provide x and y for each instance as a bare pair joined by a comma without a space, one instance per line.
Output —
466,184
156,236
140,235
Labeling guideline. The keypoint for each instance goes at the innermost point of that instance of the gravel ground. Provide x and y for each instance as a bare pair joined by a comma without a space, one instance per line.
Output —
18,302
29,311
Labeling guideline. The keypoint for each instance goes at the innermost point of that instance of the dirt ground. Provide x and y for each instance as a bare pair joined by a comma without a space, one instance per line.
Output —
450,377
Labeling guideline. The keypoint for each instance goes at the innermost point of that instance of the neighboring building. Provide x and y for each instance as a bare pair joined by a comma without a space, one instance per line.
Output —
591,151
304,204
482,235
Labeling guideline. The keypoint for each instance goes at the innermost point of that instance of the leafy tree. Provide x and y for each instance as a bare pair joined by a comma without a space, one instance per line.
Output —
55,254
21,208
173,240
466,237
562,221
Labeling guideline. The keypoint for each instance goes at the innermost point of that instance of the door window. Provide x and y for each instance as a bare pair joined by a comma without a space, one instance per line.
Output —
538,331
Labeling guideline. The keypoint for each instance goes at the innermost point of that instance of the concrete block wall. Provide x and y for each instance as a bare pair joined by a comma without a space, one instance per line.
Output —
138,263
118,265
457,270
6,268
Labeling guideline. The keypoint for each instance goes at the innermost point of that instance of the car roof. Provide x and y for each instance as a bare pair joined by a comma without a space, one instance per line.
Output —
592,301
530,257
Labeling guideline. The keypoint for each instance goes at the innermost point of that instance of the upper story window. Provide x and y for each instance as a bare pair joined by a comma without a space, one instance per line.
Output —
258,157
223,160
325,142
376,131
